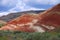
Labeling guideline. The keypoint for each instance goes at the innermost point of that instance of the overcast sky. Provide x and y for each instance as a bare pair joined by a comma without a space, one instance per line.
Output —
7,6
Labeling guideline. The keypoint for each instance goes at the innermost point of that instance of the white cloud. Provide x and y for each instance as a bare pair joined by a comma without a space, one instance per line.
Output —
8,2
21,5
31,8
6,13
50,2
3,13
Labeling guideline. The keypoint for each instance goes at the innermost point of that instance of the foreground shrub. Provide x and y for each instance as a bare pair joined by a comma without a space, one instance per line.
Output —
16,35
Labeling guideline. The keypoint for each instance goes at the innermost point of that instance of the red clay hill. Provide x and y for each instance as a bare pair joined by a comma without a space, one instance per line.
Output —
46,21
51,16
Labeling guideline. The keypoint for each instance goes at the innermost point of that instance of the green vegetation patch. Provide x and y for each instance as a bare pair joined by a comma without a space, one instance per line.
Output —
17,35
1,24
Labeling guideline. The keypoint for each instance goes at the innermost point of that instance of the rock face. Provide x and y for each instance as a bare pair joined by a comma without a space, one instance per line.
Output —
46,21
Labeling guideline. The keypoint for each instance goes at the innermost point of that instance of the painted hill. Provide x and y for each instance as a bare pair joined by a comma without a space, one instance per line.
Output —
51,16
45,21
11,16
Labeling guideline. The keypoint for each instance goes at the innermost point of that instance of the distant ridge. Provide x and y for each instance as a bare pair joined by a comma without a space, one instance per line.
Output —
11,16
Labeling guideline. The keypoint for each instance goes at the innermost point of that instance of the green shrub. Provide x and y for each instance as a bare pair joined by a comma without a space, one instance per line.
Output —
11,35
